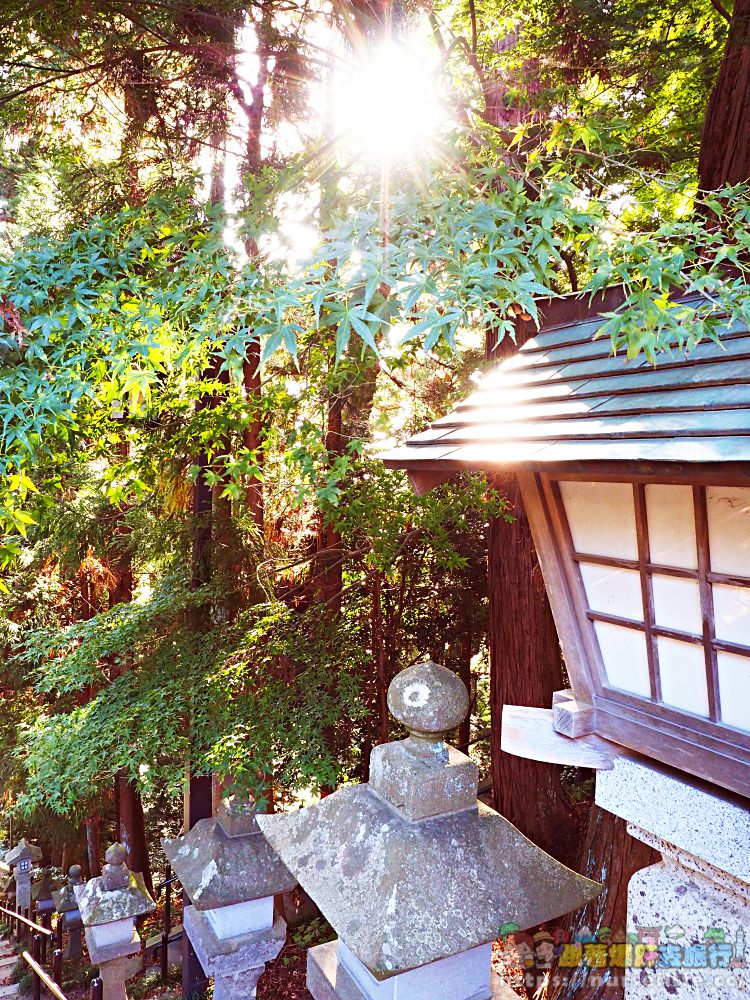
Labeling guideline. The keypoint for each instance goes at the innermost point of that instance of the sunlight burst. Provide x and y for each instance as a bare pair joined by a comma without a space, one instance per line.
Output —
389,106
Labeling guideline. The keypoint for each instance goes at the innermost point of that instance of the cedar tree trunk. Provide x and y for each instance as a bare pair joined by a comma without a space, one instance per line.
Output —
725,145
132,828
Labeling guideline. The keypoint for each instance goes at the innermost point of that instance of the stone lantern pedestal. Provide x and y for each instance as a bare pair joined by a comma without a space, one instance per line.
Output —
22,859
692,909
67,908
231,874
109,905
416,876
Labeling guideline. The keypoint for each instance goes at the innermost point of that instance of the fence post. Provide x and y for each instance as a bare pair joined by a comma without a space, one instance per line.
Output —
166,930
97,989
57,966
36,983
45,922
26,926
59,932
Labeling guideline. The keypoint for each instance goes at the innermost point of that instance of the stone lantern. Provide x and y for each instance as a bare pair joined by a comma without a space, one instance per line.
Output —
41,898
634,478
231,874
109,906
416,876
22,859
66,905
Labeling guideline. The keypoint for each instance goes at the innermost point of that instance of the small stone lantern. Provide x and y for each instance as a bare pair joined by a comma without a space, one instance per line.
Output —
416,876
22,859
67,908
231,874
109,905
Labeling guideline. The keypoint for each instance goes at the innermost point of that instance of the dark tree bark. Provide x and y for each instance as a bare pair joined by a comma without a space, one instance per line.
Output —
132,828
725,145
93,845
609,855
526,669
252,436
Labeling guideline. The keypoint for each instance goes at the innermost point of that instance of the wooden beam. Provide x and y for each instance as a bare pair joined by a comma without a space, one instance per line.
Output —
530,733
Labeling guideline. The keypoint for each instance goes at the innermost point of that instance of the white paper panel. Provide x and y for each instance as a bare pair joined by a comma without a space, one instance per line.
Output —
671,526
729,529
624,654
614,591
734,689
732,613
682,667
677,604
601,518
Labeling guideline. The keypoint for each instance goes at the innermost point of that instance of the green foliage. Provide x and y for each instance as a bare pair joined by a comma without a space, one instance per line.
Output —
130,324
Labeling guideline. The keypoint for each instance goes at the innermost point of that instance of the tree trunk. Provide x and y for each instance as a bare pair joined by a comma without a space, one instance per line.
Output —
93,845
252,436
725,145
609,855
526,669
132,828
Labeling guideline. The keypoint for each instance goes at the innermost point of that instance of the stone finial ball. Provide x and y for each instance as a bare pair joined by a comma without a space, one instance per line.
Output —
74,875
428,699
116,854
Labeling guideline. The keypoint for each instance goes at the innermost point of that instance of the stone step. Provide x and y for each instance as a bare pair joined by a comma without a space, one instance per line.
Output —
9,991
7,963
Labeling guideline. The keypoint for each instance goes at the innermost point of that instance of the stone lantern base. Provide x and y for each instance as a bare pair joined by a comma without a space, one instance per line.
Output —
333,973
118,962
237,963
688,915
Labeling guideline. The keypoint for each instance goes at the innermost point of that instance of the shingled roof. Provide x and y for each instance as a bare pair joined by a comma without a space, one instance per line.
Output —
565,399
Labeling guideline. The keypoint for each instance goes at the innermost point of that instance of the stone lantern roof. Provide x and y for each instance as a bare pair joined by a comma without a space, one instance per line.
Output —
226,859
65,898
411,868
116,895
41,890
23,851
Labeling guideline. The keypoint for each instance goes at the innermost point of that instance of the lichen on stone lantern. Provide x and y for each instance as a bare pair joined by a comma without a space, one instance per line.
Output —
231,874
109,906
415,875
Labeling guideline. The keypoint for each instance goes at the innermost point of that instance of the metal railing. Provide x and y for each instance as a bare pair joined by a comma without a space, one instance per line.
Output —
53,984
21,925
166,885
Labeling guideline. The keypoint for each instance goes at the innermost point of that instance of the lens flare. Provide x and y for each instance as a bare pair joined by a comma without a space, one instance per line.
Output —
389,106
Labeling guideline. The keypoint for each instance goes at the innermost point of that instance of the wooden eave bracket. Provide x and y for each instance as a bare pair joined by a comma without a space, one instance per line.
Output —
424,481
531,733
570,717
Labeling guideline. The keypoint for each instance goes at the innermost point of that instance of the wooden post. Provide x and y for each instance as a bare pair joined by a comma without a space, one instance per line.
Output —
36,983
57,965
